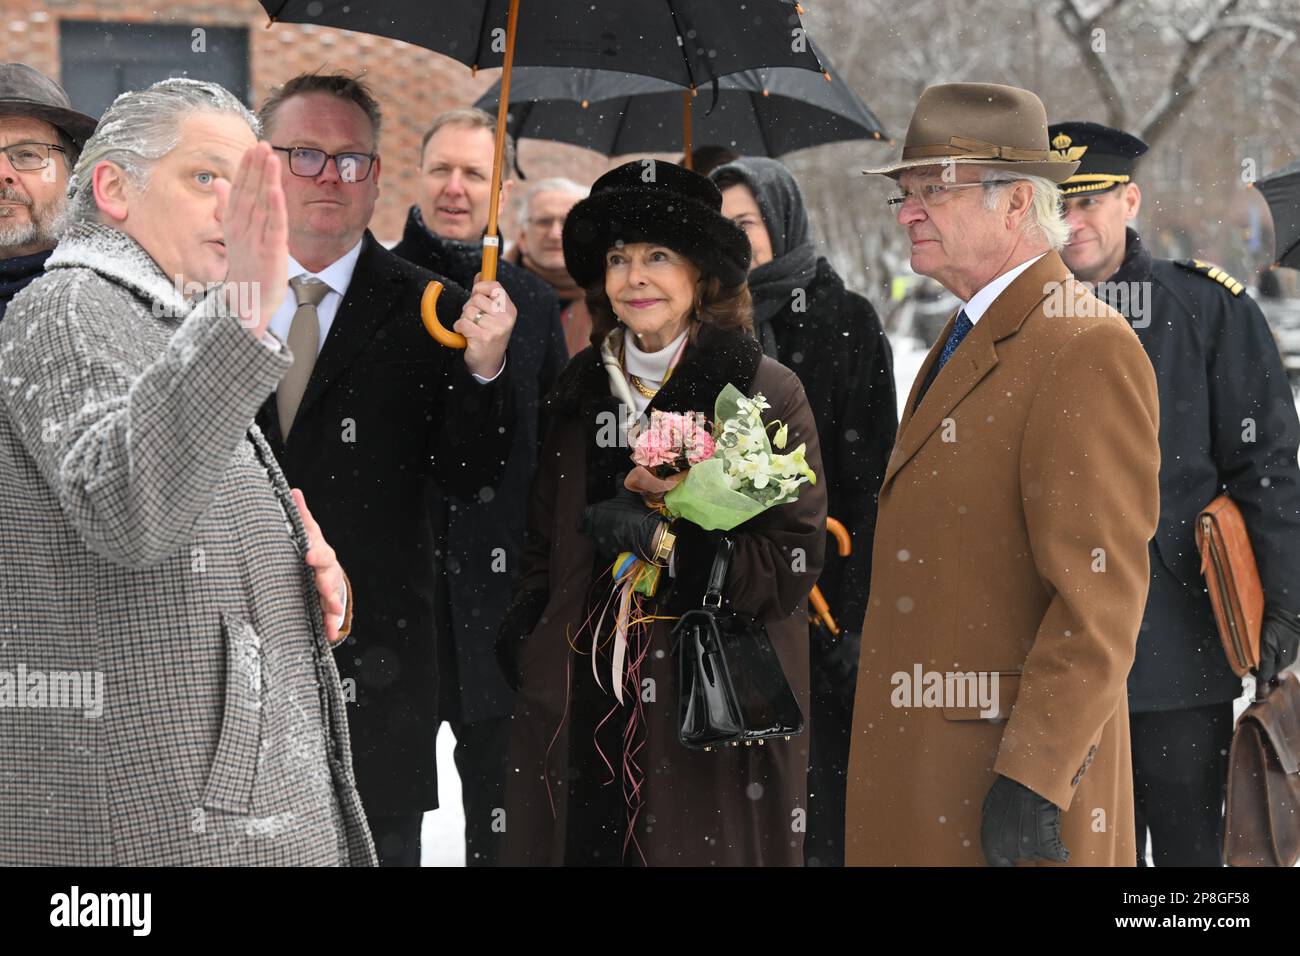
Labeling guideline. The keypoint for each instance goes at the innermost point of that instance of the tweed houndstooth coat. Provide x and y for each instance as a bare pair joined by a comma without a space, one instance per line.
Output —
149,537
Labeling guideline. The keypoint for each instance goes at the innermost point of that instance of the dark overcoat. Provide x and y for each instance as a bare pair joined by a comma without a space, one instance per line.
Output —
482,536
742,806
1227,424
387,415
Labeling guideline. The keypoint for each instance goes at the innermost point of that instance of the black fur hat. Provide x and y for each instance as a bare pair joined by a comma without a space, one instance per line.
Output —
654,201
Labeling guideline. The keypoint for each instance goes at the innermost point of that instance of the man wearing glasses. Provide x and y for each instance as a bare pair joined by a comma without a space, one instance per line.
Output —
444,233
372,415
40,135
1010,570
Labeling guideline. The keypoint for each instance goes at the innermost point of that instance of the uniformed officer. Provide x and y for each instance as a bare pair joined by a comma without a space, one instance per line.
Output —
1227,424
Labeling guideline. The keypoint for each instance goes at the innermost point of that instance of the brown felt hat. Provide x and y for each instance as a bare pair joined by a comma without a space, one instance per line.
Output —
985,123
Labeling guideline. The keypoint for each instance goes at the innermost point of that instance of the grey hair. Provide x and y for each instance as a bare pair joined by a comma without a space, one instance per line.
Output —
140,128
553,184
1044,216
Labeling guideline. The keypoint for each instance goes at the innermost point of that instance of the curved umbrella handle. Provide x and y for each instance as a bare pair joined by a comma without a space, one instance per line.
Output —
815,598
823,610
429,314
492,239
841,534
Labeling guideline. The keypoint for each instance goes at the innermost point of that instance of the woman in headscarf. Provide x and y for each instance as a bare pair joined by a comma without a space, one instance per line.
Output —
592,781
831,338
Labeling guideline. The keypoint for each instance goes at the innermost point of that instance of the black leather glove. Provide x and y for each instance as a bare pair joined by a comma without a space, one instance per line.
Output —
520,619
621,523
1279,643
841,666
1020,825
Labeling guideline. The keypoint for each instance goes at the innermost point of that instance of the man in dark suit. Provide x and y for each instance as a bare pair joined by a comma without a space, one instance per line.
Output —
1227,423
483,536
371,410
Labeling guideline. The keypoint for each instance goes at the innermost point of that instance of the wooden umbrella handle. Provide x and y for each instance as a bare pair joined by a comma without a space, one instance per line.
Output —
492,240
823,610
429,313
841,534
844,545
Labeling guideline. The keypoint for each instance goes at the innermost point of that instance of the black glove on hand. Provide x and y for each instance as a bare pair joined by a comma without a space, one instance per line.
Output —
521,618
1279,642
621,523
1020,825
841,665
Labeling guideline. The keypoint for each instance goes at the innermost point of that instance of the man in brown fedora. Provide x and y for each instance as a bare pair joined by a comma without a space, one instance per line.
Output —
40,135
1010,562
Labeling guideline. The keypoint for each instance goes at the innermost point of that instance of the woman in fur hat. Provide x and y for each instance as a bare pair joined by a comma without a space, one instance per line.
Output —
593,781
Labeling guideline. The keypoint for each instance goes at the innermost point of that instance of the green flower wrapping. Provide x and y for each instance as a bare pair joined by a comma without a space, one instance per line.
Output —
744,477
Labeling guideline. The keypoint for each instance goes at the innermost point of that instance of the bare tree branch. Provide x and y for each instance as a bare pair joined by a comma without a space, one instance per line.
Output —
1078,28
1197,60
1186,79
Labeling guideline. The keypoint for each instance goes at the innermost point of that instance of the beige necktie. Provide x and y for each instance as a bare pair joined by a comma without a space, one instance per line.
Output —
304,340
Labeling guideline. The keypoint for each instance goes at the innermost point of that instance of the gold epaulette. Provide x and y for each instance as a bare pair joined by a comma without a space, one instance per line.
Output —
1211,271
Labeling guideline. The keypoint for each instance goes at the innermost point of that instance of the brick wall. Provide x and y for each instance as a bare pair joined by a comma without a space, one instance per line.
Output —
412,84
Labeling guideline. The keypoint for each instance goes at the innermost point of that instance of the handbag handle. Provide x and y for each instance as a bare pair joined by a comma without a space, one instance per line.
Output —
718,572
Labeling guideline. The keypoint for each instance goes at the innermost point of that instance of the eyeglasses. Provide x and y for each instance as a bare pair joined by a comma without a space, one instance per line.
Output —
28,157
308,162
934,194
547,223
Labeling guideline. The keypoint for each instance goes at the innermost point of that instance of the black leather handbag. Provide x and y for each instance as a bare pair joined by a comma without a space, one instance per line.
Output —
732,688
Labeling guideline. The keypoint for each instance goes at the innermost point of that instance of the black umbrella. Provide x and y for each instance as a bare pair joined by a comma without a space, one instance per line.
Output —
688,42
685,41
766,112
1282,191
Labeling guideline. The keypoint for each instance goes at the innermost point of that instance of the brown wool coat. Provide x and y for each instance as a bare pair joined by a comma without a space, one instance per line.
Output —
1017,546
732,807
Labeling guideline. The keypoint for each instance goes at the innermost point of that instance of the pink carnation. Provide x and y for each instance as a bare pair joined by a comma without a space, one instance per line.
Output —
672,442
700,447
653,448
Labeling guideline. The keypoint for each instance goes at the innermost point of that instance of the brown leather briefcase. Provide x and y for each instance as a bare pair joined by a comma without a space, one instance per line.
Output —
1262,822
1228,564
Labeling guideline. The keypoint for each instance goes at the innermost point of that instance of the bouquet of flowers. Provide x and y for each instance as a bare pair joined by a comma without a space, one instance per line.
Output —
742,476
716,478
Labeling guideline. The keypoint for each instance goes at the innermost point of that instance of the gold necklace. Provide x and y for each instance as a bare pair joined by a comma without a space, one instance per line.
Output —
640,386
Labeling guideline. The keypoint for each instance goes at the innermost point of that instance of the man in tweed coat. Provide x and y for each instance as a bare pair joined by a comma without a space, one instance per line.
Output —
167,690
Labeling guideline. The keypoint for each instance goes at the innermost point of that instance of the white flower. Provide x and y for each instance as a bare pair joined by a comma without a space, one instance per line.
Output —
754,468
790,485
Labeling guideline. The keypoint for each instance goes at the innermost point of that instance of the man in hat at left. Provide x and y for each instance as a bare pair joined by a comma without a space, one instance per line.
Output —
40,137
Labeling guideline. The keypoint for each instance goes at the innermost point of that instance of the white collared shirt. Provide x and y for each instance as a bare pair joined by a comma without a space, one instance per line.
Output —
338,276
979,303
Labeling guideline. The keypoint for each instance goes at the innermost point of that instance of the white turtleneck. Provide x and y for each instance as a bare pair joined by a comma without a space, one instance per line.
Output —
649,367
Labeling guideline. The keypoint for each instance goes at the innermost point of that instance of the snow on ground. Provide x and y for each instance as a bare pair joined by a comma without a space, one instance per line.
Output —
909,355
442,838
